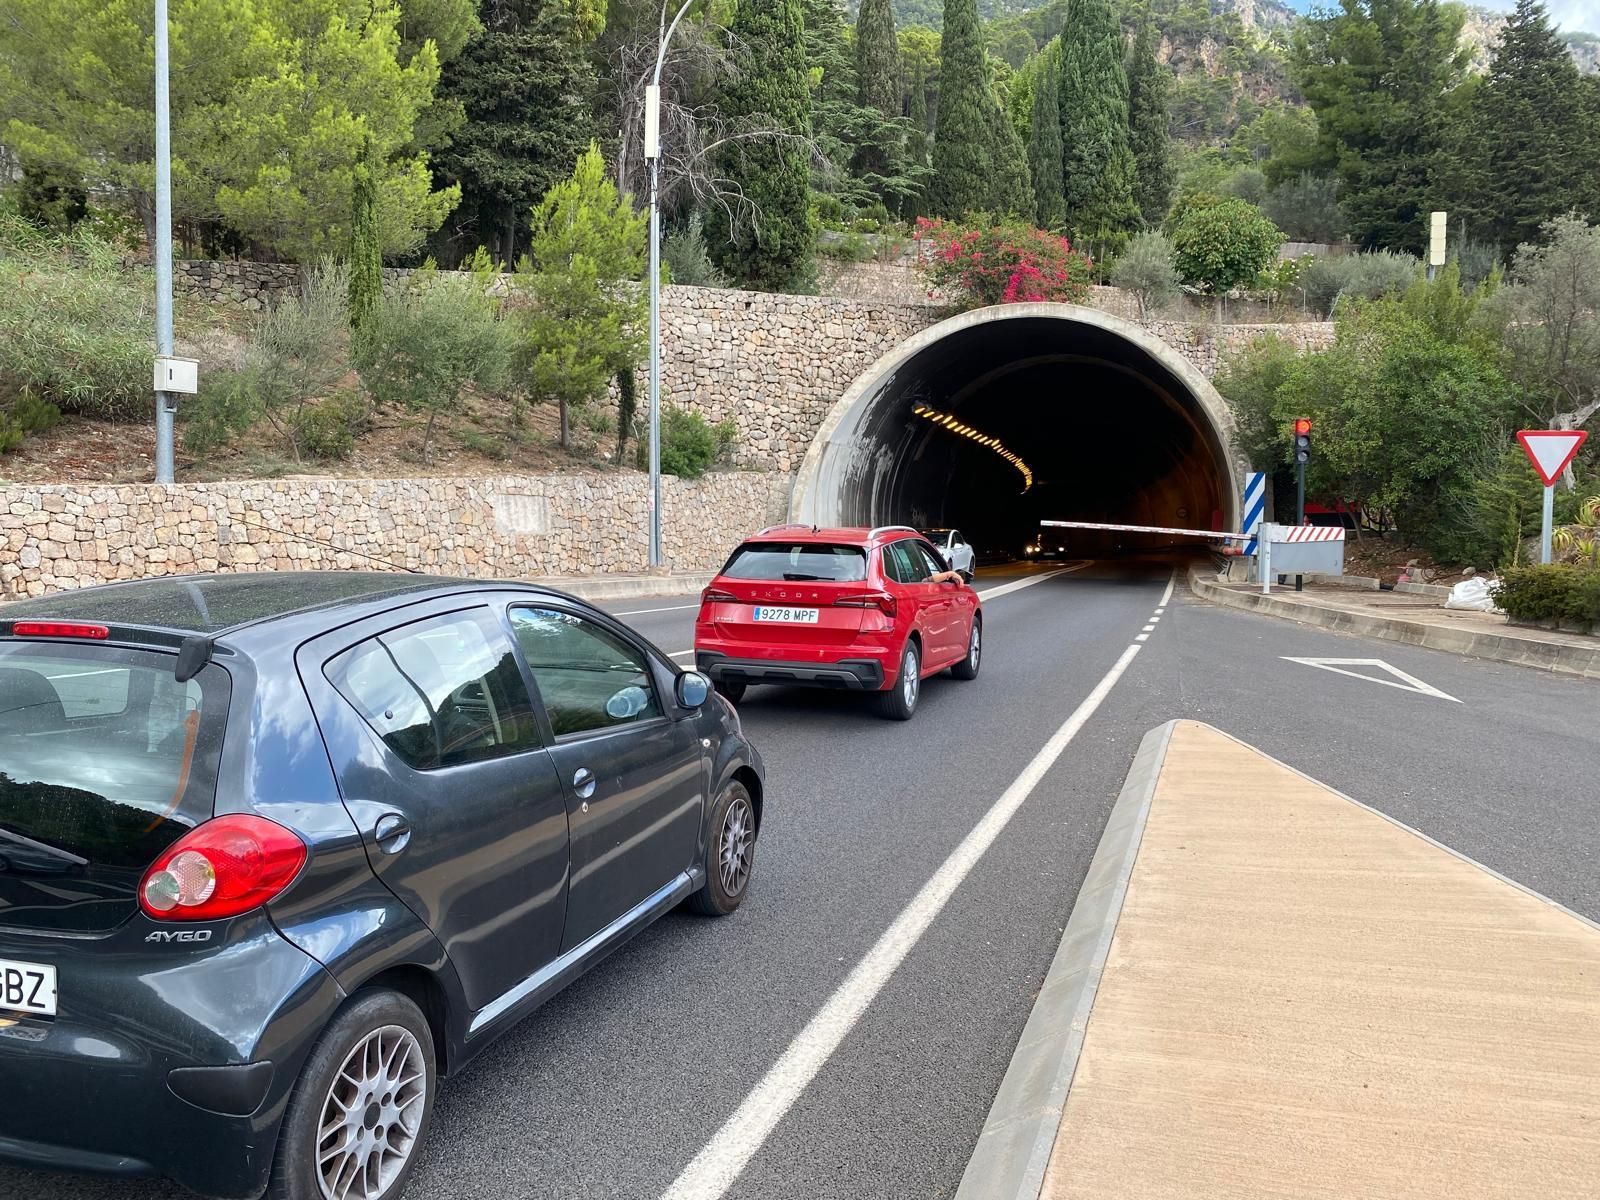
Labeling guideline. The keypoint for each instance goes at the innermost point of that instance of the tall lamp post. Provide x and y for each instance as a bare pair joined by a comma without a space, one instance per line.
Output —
652,153
165,400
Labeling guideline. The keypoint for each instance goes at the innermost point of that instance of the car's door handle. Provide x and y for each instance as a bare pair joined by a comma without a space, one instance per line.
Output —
392,833
583,783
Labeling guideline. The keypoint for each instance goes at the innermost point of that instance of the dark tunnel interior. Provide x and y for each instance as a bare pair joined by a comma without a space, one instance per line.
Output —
1108,432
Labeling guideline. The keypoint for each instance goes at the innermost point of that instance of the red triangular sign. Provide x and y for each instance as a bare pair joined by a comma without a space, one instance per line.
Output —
1550,450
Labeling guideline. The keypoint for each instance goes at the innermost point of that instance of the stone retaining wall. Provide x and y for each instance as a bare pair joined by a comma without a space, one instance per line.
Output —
66,536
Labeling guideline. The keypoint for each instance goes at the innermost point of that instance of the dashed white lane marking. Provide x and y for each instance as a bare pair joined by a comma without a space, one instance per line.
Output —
1149,629
712,1172
637,612
1141,637
680,654
1167,595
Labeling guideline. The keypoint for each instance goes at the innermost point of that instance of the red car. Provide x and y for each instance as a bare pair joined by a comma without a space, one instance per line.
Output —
839,608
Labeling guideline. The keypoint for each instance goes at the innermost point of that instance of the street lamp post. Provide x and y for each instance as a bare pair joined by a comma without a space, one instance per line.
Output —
652,152
165,401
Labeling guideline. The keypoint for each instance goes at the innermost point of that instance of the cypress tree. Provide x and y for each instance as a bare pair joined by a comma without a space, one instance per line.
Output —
1011,190
1044,141
877,58
963,165
366,253
1097,161
770,247
1527,151
1149,115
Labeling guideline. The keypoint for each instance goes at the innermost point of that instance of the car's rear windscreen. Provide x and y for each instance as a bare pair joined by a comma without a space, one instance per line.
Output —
105,760
797,561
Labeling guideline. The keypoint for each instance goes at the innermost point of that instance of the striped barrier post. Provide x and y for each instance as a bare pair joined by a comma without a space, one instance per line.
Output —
1255,506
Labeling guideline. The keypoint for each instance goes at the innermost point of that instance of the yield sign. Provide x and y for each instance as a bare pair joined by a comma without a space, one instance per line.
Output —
1550,450
1406,683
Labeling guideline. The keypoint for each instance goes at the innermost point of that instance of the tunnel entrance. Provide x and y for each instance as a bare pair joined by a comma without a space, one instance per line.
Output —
1002,417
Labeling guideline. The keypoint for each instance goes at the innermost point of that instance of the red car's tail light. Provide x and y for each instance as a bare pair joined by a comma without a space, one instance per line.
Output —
220,869
717,596
60,629
882,601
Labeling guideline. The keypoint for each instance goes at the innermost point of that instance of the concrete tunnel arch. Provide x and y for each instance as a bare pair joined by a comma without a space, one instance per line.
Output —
1115,424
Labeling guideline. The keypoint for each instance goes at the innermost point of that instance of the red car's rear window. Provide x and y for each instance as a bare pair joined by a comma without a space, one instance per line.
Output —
796,561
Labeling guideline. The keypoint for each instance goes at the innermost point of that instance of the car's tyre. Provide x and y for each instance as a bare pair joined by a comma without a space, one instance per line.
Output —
967,668
731,692
361,1108
730,852
900,701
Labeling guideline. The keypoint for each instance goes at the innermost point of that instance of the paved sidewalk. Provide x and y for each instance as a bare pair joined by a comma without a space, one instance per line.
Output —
1275,991
1411,618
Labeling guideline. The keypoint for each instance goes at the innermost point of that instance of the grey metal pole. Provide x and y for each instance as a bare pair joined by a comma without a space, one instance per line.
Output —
1299,509
655,364
1549,520
165,401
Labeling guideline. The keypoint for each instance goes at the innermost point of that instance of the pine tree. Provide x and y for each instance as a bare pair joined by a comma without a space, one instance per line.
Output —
769,247
963,164
1149,115
366,251
1525,147
877,58
526,85
1097,161
1044,141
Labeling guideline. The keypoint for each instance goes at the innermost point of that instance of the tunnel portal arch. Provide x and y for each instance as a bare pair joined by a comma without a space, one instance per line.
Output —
1113,423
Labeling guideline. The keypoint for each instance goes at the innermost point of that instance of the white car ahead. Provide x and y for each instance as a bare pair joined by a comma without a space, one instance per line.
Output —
952,546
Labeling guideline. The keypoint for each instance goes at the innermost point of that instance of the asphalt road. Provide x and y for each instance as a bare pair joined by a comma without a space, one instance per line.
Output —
618,1084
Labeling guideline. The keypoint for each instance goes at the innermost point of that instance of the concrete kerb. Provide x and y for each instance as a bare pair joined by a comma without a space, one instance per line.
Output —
1013,1151
626,587
1473,643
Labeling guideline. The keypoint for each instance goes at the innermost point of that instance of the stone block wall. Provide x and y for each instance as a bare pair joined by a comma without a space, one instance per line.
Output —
68,536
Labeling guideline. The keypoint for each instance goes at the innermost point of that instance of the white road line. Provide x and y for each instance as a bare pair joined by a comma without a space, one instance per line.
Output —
1155,620
680,654
1159,611
1149,629
1167,595
709,1175
1141,637
636,612
1003,589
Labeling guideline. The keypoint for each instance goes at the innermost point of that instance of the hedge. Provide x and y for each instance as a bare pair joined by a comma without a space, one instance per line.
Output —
1556,592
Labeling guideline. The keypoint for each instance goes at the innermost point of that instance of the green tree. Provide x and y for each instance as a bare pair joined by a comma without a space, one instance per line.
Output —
1044,139
767,241
1149,115
1098,168
1219,244
1011,189
963,158
366,254
879,83
1307,208
1145,269
526,86
1380,75
583,325
1527,151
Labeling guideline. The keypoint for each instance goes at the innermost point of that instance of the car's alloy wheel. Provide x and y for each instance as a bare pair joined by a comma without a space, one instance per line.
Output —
900,701
371,1116
735,845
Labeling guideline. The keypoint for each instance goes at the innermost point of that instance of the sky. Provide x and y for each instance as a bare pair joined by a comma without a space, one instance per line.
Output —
1574,15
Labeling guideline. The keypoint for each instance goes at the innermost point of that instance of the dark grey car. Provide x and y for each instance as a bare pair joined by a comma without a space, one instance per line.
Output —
279,851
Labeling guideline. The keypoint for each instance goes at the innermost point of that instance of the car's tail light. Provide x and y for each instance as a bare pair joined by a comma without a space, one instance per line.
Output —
714,595
220,869
60,629
882,601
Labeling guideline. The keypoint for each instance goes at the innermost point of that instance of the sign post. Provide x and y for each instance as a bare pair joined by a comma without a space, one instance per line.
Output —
1436,236
1550,451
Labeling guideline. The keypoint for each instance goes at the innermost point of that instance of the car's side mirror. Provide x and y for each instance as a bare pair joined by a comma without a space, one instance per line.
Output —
693,689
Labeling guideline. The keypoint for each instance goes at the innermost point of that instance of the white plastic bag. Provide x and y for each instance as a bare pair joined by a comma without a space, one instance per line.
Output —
1475,594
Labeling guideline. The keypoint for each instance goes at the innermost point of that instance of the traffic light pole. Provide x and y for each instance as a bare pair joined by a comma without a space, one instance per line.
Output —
1299,508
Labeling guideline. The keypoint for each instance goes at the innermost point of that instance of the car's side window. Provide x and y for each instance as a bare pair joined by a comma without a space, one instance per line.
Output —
440,692
588,677
913,567
891,564
956,539
931,559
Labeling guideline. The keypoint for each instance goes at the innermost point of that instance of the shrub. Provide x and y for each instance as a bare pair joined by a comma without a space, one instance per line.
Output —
687,258
1326,281
691,445
26,414
228,404
1307,208
1222,243
1145,269
983,262
75,325
329,430
1556,592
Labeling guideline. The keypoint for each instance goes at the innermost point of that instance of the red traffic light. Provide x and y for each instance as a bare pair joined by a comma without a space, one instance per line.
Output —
1302,426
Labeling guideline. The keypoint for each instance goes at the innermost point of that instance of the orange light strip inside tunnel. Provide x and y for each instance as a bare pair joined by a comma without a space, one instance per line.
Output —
993,443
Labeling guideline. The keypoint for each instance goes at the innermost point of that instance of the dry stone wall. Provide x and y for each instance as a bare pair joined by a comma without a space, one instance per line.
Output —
66,536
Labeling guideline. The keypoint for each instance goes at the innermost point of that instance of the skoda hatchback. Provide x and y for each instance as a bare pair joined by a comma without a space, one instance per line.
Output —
279,851
838,608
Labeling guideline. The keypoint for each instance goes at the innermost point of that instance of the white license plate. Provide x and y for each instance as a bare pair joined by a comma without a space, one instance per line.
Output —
794,616
28,988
